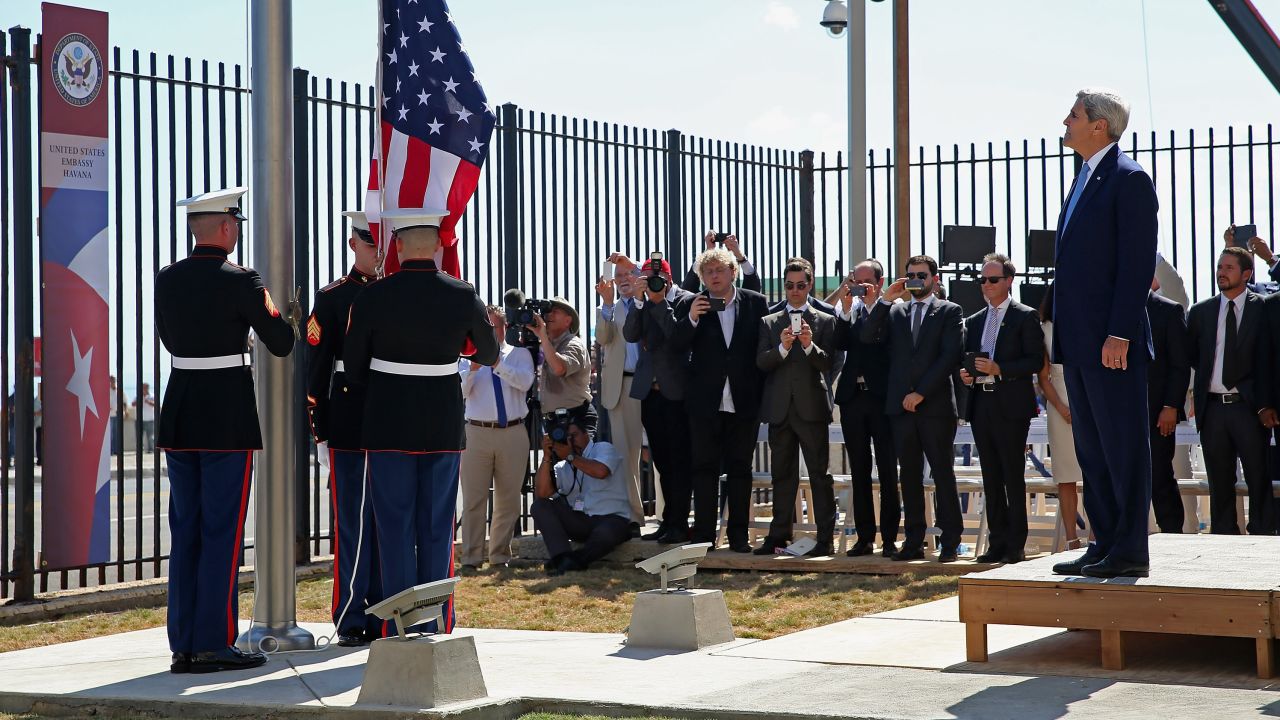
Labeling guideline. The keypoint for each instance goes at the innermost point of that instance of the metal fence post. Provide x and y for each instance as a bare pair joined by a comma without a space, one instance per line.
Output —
301,263
806,213
675,203
23,312
510,196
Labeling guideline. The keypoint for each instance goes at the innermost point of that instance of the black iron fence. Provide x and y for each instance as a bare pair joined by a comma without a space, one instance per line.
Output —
557,195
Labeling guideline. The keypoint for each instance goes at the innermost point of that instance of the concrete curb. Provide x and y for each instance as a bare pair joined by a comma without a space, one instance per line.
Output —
121,596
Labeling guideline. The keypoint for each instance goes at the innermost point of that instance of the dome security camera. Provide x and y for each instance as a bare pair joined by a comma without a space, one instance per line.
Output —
835,18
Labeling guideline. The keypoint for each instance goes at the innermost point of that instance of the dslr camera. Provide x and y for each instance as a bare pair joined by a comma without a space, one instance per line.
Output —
557,425
520,312
655,281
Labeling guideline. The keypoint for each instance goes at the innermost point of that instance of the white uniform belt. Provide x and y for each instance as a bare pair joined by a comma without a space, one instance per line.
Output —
339,366
396,368
211,363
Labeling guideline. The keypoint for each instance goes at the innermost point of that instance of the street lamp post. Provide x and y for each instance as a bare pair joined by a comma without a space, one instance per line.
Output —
839,20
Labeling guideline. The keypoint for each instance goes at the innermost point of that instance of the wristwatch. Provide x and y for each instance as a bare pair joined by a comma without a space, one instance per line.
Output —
570,458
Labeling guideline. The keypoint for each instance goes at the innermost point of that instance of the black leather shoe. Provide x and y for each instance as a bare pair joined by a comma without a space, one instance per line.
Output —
994,555
859,549
635,530
822,549
228,658
674,536
1110,567
888,549
1014,557
1075,567
371,634
181,663
948,555
740,547
662,530
351,639
768,547
908,554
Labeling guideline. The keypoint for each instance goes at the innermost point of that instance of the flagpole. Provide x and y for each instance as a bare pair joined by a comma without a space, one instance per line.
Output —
271,120
383,241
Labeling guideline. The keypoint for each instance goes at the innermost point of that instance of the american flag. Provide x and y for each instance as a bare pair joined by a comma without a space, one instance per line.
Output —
435,123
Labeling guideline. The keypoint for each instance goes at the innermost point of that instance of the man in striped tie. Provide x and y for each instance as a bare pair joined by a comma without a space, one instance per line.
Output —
1004,347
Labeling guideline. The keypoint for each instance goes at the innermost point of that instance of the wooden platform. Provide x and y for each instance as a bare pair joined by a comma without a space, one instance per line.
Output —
1223,586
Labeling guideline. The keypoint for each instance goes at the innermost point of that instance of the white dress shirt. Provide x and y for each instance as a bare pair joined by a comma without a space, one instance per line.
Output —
1215,379
514,369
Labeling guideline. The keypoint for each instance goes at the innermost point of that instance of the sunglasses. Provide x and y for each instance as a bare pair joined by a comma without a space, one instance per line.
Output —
918,276
992,279
796,285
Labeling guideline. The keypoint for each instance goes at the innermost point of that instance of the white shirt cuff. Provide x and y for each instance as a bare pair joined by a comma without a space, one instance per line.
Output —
782,350
747,267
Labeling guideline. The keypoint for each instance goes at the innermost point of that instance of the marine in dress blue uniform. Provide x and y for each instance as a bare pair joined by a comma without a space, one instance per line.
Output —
405,336
205,307
335,409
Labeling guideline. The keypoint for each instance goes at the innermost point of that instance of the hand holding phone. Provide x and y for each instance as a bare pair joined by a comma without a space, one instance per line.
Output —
971,365
717,304
1243,234
796,320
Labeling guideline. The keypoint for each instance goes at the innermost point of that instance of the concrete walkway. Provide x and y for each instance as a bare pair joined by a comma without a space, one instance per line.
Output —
904,664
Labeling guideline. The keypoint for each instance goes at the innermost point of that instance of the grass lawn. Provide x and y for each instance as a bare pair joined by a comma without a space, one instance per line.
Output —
761,605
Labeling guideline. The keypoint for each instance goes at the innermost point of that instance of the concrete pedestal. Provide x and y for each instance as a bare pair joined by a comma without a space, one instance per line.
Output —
423,672
681,620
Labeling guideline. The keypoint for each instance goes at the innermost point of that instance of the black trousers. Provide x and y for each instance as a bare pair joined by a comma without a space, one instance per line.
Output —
865,425
786,441
560,523
916,438
722,440
1166,501
667,426
1002,447
1228,432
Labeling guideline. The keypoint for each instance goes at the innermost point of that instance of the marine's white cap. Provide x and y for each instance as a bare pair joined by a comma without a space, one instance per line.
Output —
405,218
359,223
216,201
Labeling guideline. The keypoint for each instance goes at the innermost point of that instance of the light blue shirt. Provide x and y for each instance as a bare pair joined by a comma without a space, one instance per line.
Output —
602,496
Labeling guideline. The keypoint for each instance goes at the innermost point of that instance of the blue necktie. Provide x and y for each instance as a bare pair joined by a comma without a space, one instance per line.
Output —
629,304
1075,194
497,397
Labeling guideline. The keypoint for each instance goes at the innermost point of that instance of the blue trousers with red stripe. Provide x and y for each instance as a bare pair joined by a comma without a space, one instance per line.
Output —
357,584
414,503
208,496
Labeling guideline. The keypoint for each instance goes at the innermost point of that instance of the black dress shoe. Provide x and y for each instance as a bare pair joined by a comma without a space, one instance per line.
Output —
371,634
859,549
1014,557
1075,567
662,530
181,663
948,555
908,554
740,547
888,549
676,536
822,549
1110,567
354,638
635,530
994,555
769,547
228,658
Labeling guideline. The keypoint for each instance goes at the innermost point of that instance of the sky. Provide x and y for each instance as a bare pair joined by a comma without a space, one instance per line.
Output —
763,72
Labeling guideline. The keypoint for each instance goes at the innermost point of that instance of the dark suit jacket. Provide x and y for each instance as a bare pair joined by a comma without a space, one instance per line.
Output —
1253,343
692,283
710,362
1106,257
652,326
837,354
925,367
868,361
1020,354
800,378
1170,370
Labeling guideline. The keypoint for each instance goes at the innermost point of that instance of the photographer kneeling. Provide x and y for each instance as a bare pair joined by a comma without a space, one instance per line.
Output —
583,498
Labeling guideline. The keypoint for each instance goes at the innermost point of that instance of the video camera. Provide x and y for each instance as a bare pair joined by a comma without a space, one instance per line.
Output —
655,281
520,312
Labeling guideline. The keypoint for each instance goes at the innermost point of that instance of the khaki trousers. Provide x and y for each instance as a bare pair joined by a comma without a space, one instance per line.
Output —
624,423
497,457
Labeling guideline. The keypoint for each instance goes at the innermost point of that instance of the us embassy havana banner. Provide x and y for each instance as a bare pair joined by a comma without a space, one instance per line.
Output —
75,506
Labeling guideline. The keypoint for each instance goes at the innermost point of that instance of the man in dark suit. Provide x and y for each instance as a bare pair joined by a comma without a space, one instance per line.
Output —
837,356
925,338
746,271
1001,403
1167,381
722,397
1106,255
659,384
861,397
1230,351
797,405
413,432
